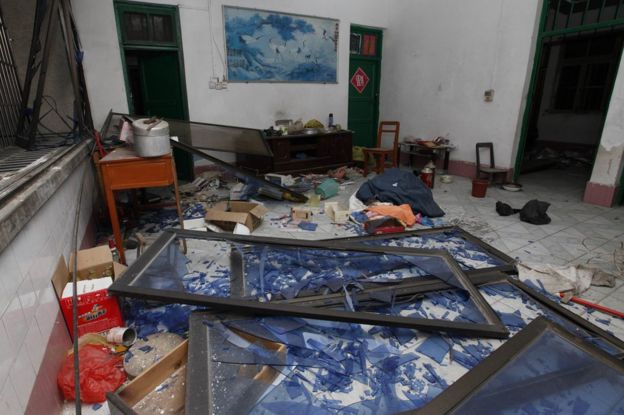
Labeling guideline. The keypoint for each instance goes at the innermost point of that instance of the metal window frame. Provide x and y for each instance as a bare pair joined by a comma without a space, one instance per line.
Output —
198,390
460,391
273,189
509,263
493,326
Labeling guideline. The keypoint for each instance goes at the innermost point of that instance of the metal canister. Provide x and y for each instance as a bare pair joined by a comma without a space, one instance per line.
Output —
151,137
426,175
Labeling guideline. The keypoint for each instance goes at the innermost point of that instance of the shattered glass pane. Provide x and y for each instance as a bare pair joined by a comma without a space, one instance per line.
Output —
204,136
516,299
467,254
335,279
552,375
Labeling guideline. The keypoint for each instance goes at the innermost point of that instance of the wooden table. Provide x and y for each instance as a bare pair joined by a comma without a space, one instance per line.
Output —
123,169
414,149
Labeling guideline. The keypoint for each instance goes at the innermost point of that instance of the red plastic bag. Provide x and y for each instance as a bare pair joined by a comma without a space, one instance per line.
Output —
100,372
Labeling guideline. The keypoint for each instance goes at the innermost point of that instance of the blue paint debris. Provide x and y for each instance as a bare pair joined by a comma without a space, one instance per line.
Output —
146,349
330,357
307,226
434,347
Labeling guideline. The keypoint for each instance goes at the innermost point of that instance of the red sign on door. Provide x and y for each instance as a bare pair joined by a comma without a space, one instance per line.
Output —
359,80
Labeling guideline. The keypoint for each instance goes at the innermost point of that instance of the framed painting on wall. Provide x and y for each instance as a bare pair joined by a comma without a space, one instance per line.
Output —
267,46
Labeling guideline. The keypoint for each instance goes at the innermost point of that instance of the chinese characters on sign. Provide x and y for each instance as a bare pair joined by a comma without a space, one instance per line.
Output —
359,80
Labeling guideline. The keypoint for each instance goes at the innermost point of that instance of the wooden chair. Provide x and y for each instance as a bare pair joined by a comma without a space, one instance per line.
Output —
382,155
490,171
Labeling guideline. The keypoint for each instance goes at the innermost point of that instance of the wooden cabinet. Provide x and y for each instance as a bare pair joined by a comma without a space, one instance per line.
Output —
302,153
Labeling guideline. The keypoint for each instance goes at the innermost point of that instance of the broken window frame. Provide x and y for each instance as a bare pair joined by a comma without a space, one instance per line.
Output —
493,326
460,391
509,264
270,189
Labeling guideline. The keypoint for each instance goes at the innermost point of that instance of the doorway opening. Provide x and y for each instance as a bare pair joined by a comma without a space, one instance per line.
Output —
151,53
364,79
576,62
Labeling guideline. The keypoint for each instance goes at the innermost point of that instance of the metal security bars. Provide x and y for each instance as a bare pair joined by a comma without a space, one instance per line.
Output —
9,89
568,16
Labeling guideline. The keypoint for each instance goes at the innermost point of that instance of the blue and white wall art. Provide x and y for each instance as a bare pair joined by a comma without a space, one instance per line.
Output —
265,46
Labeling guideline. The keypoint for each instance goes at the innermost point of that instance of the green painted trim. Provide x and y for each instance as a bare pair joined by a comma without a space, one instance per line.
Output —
366,30
185,108
123,56
542,35
123,6
531,92
377,59
583,28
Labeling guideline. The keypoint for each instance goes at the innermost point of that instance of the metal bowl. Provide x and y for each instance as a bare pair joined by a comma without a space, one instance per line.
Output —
311,131
512,187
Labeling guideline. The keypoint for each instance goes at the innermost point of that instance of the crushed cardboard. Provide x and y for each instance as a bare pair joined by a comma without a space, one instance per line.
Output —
98,311
227,214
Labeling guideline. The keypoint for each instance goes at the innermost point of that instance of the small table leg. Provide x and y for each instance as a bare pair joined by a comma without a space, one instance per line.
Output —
112,209
177,198
446,160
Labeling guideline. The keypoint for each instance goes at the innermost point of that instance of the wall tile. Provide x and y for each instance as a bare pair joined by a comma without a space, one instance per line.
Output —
10,279
15,323
7,355
22,375
33,335
9,404
28,299
35,347
47,311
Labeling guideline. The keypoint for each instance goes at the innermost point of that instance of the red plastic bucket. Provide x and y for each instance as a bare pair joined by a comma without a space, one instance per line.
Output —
479,187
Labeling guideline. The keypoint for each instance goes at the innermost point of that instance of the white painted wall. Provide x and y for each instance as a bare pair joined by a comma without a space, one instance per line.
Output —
440,57
249,105
608,164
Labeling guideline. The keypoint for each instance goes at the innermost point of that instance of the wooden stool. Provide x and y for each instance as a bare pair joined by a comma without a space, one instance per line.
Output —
123,169
382,155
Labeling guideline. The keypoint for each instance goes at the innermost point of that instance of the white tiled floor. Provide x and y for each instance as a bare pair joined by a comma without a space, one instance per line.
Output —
579,233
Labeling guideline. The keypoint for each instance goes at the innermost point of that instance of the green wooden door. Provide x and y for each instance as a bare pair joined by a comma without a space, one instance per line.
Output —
161,89
364,76
151,45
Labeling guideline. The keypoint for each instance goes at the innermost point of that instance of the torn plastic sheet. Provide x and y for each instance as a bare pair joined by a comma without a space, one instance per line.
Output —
306,279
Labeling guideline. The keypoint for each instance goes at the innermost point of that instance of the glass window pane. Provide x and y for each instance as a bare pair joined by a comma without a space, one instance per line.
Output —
369,47
162,26
135,26
603,46
371,281
355,43
467,254
550,373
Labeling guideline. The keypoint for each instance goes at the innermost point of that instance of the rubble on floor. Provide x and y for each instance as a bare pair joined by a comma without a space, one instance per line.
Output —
325,366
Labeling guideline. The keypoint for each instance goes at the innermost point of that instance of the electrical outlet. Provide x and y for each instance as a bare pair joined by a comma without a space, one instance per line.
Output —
213,83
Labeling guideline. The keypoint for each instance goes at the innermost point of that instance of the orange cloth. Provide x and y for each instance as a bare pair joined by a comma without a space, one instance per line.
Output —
403,213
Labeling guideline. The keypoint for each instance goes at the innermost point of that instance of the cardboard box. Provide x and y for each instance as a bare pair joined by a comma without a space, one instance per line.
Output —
336,213
93,263
98,311
227,214
301,213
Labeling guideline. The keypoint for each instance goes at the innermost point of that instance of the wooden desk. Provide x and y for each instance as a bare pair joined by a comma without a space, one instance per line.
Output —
414,149
298,153
122,169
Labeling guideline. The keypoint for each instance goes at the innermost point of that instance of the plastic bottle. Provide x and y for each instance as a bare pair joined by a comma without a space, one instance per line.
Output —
330,122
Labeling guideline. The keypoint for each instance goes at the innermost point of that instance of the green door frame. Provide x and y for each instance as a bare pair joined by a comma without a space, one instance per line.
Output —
543,34
124,45
377,58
